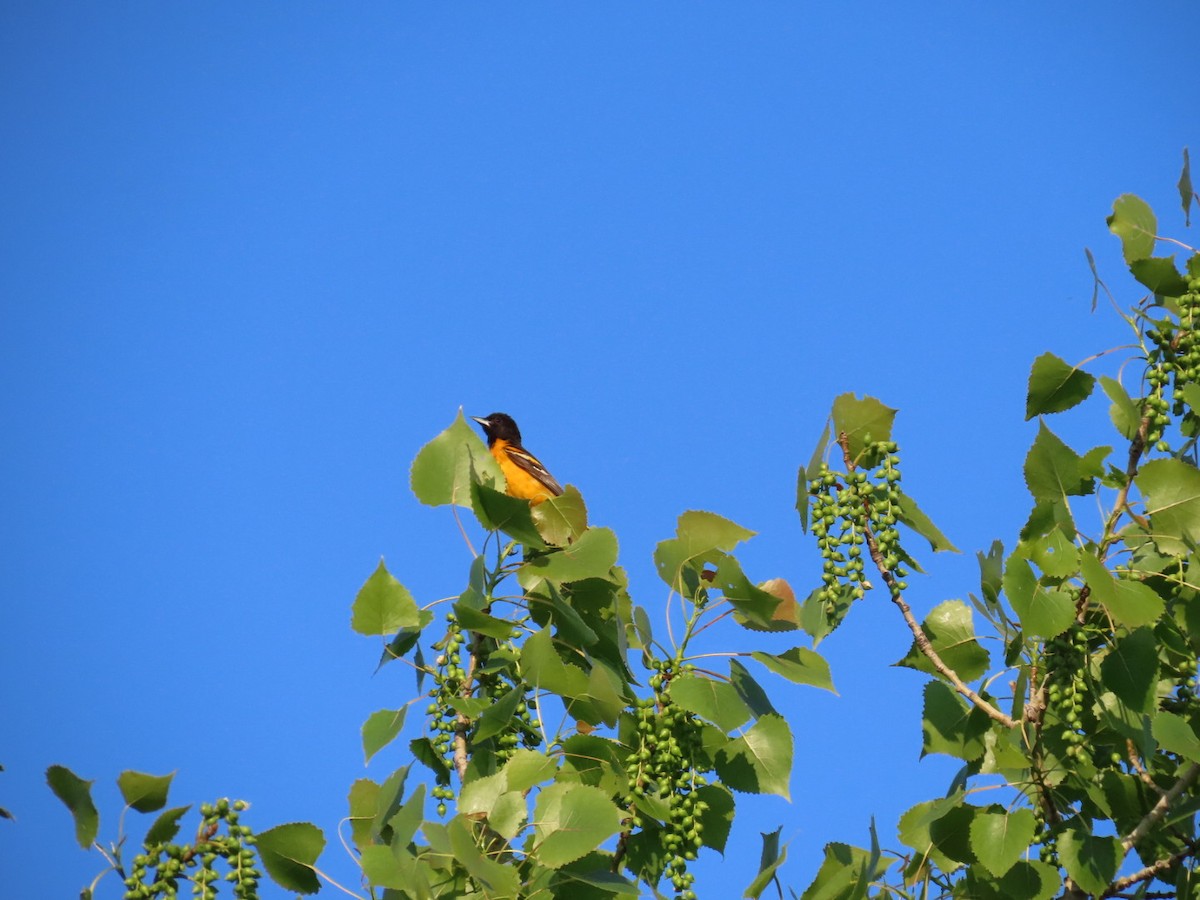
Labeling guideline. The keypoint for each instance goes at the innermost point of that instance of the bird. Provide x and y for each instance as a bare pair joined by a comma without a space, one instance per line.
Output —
524,473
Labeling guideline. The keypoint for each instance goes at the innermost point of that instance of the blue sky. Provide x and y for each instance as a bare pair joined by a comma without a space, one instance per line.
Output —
255,255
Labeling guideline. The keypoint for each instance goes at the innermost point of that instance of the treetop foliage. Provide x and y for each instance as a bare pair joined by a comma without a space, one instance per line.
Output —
572,745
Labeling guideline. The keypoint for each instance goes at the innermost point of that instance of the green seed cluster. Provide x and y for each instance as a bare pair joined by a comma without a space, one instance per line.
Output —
442,793
1182,671
450,683
1048,849
846,506
1156,406
884,511
448,680
839,521
1187,350
1174,361
522,729
1066,690
159,869
664,762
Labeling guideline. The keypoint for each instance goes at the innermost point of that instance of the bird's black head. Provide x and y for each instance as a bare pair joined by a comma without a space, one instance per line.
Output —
499,427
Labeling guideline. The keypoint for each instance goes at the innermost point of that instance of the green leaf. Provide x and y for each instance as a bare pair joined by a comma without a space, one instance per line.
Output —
760,761
991,572
1026,880
807,474
1053,470
951,630
1055,554
1130,670
472,619
1191,395
1089,859
143,792
800,666
561,519
771,858
405,640
642,627
915,828
591,878
592,555
1126,721
545,669
508,814
76,794
716,701
862,420
1131,603
1123,412
289,854
422,749
1176,735
166,826
1186,191
495,878
912,516
1046,516
1055,386
1045,612
478,796
1171,488
842,874
383,605
1133,222
591,759
605,697
442,471
756,609
952,833
999,839
403,824
527,768
497,717
699,537
1160,275
497,511
381,868
381,729
571,820
363,801
949,726
1030,880
749,690
717,816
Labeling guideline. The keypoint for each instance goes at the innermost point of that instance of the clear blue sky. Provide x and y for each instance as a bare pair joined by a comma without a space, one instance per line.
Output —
255,255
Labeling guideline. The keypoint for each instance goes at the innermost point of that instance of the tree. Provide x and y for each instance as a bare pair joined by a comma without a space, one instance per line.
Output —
1085,734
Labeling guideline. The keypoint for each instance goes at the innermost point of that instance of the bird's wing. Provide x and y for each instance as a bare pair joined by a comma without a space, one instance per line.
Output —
527,462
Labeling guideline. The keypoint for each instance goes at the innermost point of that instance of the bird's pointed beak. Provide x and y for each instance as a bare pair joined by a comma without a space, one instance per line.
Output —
483,422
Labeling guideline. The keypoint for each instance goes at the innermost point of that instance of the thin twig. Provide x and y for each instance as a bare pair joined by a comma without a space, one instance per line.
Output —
462,530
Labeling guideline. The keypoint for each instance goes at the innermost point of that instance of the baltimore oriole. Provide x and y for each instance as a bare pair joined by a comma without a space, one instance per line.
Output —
527,478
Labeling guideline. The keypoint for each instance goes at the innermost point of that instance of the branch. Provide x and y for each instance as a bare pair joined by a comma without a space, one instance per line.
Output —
1147,873
922,639
461,723
1161,808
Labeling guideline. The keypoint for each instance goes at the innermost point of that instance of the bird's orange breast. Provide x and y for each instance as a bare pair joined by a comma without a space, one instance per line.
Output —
521,483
